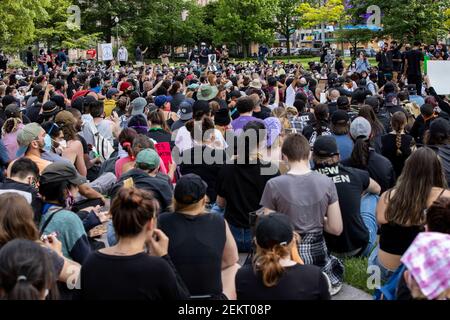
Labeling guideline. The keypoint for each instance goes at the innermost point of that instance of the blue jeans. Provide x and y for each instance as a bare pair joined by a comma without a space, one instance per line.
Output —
243,238
368,214
385,273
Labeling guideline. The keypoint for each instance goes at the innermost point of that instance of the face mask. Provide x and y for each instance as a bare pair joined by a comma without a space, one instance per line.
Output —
47,143
63,144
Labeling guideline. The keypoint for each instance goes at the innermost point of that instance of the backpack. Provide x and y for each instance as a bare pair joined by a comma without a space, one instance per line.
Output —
102,147
389,290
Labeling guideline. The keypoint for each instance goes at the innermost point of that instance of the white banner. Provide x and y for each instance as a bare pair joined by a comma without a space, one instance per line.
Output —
107,52
438,72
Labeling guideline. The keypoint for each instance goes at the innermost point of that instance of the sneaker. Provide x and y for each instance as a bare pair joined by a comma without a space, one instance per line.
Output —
335,289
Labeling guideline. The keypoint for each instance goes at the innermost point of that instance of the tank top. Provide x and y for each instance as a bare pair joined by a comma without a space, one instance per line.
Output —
396,239
196,249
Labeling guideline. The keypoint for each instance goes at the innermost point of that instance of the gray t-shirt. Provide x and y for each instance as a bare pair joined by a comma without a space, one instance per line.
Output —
304,198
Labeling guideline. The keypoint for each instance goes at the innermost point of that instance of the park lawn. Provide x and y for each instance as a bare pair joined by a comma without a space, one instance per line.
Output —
356,273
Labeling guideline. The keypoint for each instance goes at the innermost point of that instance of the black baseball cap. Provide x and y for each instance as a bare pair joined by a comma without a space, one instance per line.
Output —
201,105
325,146
340,116
273,229
190,189
343,101
440,126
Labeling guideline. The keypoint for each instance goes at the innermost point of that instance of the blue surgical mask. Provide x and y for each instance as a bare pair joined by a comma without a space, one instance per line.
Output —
47,143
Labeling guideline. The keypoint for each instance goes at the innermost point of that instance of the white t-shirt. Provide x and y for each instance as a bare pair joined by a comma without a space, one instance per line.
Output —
183,140
290,96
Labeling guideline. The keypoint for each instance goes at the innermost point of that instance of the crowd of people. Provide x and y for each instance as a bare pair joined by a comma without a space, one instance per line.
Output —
147,181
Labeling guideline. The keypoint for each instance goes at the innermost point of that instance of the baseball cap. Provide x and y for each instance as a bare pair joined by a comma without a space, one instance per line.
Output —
138,106
412,89
162,100
340,116
185,111
111,92
124,86
325,146
12,111
273,229
61,171
149,157
360,127
342,101
26,135
190,189
440,126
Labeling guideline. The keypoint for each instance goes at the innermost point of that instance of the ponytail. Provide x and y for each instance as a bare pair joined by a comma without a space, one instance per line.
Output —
267,261
11,125
398,142
23,290
360,153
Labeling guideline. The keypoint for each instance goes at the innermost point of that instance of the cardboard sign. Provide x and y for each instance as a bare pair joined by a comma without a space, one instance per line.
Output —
438,72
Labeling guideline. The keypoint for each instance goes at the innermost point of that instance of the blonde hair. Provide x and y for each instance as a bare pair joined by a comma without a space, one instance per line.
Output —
267,261
281,114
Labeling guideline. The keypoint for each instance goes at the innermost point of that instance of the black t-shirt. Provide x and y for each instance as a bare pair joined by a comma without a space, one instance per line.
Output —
350,184
389,150
242,185
136,277
205,162
159,135
380,169
397,55
311,132
298,282
413,61
196,248
263,114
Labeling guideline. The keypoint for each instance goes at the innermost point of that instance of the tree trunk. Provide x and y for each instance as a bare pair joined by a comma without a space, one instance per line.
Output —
288,38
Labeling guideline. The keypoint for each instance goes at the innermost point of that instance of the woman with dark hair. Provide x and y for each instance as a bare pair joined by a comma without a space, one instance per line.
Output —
365,157
138,123
203,158
175,92
16,221
26,272
126,139
138,266
159,131
397,145
200,242
321,127
438,139
274,273
400,211
378,130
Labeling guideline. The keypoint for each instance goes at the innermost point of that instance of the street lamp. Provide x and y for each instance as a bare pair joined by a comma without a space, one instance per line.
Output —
116,20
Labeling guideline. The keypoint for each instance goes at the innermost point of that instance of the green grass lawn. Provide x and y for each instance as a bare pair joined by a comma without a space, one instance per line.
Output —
355,273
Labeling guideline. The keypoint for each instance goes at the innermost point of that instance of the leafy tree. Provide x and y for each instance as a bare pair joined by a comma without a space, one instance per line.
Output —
287,20
18,18
241,22
409,20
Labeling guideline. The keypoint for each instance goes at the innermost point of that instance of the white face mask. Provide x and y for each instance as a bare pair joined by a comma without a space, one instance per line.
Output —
63,144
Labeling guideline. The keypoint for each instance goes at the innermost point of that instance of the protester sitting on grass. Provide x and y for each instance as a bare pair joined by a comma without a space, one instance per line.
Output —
126,271
274,275
200,242
313,211
400,211
358,197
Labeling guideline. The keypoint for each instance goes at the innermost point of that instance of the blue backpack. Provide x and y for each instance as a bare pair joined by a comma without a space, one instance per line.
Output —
389,290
